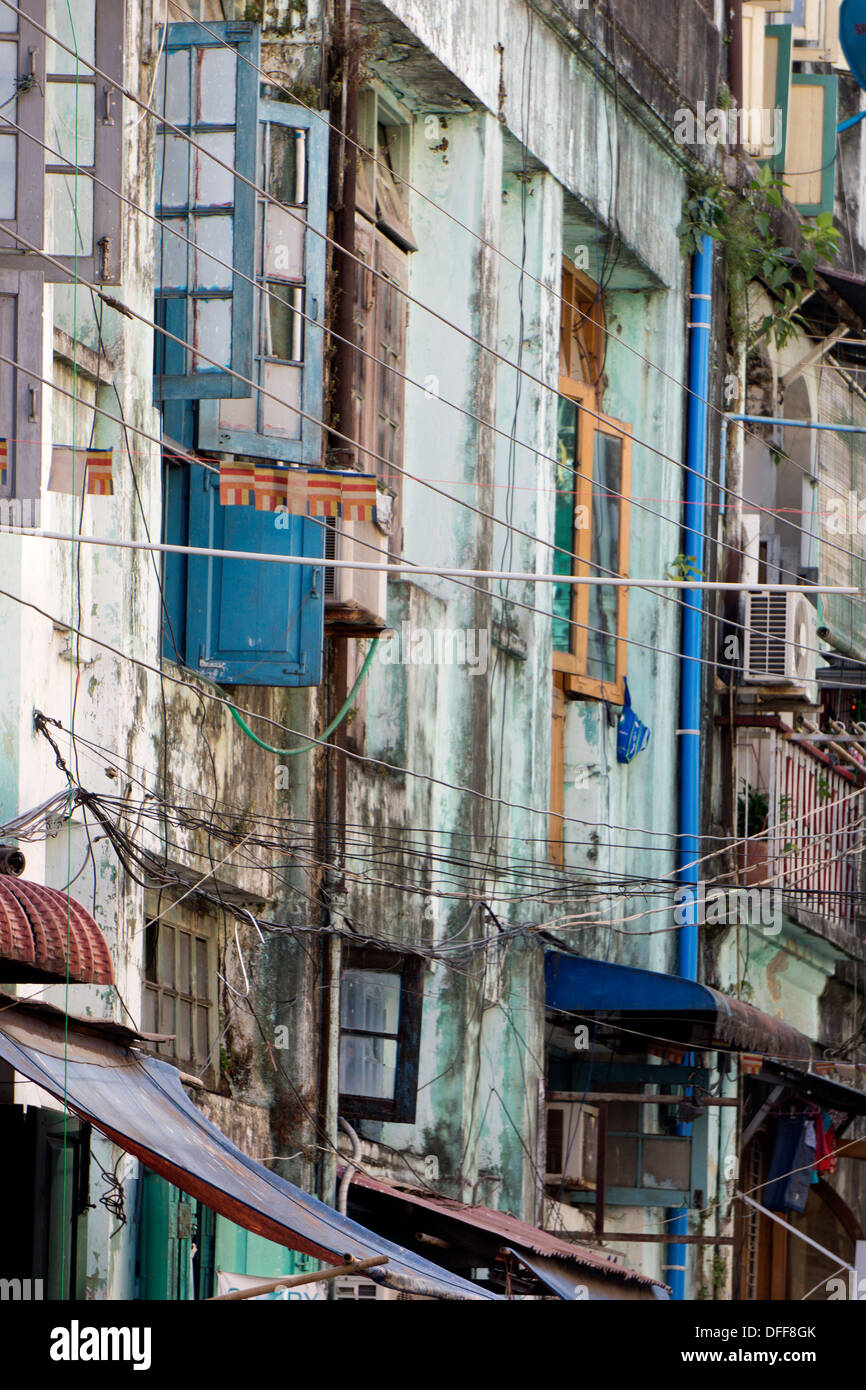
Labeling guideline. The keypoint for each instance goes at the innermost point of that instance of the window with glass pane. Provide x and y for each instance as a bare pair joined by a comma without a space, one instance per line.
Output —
281,419
369,1023
380,1029
564,522
179,992
593,476
22,114
205,94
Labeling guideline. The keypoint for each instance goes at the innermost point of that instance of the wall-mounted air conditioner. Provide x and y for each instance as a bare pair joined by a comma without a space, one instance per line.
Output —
781,642
356,599
352,1286
572,1143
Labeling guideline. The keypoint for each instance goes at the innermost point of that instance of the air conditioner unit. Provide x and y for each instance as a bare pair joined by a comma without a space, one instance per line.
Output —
356,600
352,1286
780,642
572,1144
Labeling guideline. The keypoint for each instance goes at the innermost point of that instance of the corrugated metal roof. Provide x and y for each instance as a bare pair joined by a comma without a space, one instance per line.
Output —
511,1231
39,927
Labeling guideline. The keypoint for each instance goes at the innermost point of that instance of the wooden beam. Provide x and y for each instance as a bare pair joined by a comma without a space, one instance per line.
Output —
292,1282
596,1097
632,1236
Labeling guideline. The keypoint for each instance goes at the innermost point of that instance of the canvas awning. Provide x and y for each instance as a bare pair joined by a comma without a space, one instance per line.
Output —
140,1104
667,1008
476,1235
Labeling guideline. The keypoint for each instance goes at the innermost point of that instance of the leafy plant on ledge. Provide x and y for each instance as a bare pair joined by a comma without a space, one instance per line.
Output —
742,224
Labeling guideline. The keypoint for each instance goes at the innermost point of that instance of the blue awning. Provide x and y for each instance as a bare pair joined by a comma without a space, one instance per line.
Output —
140,1104
666,1007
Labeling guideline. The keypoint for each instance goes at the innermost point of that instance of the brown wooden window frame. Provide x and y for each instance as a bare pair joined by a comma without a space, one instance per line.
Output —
196,931
571,666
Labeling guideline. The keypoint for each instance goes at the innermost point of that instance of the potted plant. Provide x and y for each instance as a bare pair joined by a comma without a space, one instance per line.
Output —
753,810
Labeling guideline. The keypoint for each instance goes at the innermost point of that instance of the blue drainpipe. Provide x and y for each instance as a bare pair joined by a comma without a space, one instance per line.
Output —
689,731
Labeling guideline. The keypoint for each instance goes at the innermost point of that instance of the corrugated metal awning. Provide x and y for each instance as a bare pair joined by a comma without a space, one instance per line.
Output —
140,1104
506,1232
667,1008
43,930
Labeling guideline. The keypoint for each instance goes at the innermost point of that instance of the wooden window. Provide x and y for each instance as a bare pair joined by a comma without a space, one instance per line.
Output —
180,990
48,195
582,333
380,1034
556,843
379,385
209,92
593,482
280,421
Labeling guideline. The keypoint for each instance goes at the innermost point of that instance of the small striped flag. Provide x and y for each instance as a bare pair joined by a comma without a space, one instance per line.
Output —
295,500
4,462
270,488
751,1063
100,465
237,484
324,493
359,497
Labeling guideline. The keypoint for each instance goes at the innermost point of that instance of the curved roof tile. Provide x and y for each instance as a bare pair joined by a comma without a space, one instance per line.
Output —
37,925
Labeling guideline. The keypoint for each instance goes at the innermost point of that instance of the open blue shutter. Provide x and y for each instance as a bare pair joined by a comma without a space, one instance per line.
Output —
249,622
211,94
290,308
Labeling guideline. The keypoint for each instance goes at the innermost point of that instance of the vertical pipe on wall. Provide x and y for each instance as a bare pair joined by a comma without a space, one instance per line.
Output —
689,732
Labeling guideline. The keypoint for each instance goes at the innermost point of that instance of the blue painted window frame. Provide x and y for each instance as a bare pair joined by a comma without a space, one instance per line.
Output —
580,1077
259,444
172,378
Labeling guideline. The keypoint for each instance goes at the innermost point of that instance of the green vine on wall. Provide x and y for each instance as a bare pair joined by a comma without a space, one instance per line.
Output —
742,224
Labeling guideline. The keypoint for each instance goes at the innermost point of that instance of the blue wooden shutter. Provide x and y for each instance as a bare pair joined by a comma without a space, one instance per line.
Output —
290,307
249,622
211,94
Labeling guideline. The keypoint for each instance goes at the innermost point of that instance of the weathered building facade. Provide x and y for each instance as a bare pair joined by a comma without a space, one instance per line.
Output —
387,860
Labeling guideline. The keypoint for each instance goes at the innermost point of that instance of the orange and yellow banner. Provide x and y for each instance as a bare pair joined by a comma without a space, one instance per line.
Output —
358,497
4,462
299,491
100,472
324,493
237,484
270,488
79,471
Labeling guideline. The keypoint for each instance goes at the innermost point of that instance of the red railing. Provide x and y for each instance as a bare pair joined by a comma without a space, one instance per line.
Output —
813,846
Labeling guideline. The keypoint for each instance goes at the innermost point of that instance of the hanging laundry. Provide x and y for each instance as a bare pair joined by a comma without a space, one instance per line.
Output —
791,1165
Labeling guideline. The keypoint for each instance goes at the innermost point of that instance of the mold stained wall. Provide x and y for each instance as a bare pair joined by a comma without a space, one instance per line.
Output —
141,726
482,1041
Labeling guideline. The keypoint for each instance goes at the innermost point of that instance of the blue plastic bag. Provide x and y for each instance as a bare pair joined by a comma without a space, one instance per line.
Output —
632,736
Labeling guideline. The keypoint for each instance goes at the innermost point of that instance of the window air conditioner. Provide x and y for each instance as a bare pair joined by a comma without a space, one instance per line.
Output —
572,1144
352,1286
780,642
357,599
